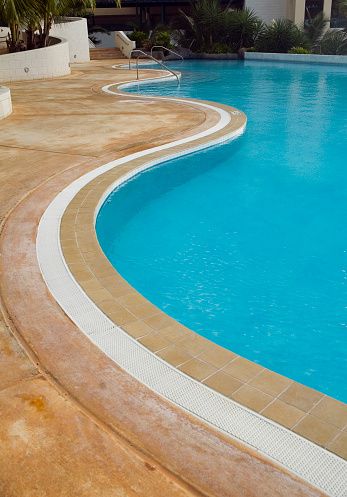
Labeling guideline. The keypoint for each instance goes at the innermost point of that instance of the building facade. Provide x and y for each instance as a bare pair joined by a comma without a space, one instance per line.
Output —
163,11
295,10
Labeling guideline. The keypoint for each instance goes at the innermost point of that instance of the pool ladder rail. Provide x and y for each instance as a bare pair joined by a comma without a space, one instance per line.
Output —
167,49
141,52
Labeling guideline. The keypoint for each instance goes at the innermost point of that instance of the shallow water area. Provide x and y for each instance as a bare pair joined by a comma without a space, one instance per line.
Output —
245,243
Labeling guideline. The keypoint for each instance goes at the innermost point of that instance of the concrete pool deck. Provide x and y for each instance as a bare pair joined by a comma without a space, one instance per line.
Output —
68,410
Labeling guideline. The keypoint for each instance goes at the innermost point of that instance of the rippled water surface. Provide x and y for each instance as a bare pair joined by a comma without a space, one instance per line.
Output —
246,243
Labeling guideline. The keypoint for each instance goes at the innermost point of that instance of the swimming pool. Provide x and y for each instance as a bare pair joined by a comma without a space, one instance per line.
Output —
245,243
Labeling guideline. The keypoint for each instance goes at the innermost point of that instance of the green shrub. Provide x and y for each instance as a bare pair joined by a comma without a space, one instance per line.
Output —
219,48
315,28
139,37
280,36
244,26
208,23
334,42
149,43
211,26
250,49
162,38
298,50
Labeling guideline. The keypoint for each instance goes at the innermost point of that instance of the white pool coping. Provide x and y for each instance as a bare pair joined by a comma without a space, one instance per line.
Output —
338,60
310,462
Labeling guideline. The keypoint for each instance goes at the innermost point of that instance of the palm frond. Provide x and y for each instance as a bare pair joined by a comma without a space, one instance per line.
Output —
334,42
315,28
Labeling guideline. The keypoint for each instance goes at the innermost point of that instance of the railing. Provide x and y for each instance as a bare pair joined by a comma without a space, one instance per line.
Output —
150,57
168,49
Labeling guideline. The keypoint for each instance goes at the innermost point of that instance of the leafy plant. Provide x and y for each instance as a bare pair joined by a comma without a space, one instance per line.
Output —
219,48
93,30
211,26
315,28
149,43
245,26
298,50
139,37
280,36
17,13
334,42
163,39
54,9
143,27
36,15
207,24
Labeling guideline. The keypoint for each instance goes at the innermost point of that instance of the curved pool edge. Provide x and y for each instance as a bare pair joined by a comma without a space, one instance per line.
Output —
102,329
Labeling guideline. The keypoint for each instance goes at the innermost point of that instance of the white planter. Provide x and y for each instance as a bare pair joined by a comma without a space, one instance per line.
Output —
5,102
42,63
75,31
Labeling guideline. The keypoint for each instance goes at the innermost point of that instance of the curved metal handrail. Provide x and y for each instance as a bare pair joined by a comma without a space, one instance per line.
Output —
150,57
168,49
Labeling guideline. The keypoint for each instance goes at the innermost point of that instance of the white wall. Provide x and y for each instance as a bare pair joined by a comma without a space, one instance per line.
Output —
296,11
5,102
327,4
122,42
268,10
42,63
75,30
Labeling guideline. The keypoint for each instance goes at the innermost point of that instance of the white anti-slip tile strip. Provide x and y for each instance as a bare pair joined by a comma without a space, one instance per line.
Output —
309,461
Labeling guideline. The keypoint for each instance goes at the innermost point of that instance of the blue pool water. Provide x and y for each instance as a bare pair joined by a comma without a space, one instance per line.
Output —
246,243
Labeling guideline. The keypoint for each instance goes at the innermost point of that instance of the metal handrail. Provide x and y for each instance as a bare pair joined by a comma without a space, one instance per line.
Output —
150,57
168,49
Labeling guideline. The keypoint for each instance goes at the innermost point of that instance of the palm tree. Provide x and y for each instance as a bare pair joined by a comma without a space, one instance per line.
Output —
210,23
334,42
55,9
315,28
36,15
17,13
280,36
93,30
244,27
205,25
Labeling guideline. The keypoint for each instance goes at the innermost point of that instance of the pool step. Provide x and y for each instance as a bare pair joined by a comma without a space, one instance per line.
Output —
105,53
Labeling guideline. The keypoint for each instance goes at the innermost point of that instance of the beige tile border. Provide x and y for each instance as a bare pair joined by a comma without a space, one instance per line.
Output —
307,412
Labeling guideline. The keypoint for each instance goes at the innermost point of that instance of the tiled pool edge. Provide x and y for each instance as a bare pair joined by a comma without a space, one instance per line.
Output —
98,188
308,412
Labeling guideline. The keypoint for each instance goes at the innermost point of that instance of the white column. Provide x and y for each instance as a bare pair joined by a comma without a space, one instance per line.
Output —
327,8
296,11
